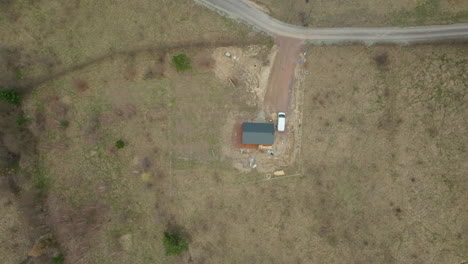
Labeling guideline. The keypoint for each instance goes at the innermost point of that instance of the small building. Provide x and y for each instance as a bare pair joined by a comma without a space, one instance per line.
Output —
258,133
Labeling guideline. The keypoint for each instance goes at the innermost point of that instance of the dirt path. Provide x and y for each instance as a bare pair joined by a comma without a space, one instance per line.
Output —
281,81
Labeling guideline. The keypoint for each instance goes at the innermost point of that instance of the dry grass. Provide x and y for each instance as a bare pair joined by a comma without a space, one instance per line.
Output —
385,149
379,185
132,192
336,13
382,173
44,40
103,68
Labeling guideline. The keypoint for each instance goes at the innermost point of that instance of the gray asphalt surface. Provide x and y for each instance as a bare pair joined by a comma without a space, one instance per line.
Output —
242,11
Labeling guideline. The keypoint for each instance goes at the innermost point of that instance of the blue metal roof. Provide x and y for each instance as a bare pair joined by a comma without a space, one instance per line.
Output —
258,133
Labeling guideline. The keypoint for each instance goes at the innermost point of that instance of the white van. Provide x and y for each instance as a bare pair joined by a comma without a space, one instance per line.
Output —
281,121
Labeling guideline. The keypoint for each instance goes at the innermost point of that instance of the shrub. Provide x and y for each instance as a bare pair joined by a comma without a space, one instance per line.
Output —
181,62
10,96
174,244
119,144
381,59
64,123
22,121
60,259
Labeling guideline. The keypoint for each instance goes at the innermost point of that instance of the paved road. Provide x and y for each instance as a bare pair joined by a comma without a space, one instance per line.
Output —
240,10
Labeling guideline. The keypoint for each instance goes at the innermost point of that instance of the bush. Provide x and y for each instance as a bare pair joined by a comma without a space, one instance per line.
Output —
64,123
10,96
174,244
181,62
119,144
22,121
60,259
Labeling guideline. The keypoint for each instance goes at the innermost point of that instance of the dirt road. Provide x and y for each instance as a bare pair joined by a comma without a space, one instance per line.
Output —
240,10
281,79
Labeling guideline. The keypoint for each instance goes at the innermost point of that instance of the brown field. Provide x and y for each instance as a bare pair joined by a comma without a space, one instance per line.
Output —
381,177
385,149
337,13
46,39
93,73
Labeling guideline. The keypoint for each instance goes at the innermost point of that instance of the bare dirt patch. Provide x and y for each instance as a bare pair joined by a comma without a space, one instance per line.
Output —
246,71
203,61
273,84
281,81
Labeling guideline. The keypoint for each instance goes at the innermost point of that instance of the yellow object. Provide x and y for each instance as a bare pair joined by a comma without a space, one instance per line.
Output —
146,177
265,146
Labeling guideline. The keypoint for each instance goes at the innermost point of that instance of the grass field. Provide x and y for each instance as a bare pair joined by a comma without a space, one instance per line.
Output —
112,205
381,170
93,74
336,13
384,145
43,39
385,152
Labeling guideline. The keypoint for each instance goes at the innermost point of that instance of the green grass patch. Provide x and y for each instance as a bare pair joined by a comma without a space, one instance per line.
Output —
181,62
174,243
10,96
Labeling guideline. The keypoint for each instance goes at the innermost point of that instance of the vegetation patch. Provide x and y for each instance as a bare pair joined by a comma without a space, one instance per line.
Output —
181,62
10,96
64,123
19,75
42,183
22,121
174,243
119,144
60,259
426,12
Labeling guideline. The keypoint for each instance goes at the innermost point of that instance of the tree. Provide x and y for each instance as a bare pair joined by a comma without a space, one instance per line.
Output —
181,62
174,243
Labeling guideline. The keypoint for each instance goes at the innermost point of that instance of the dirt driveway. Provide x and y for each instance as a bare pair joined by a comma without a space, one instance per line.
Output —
281,79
